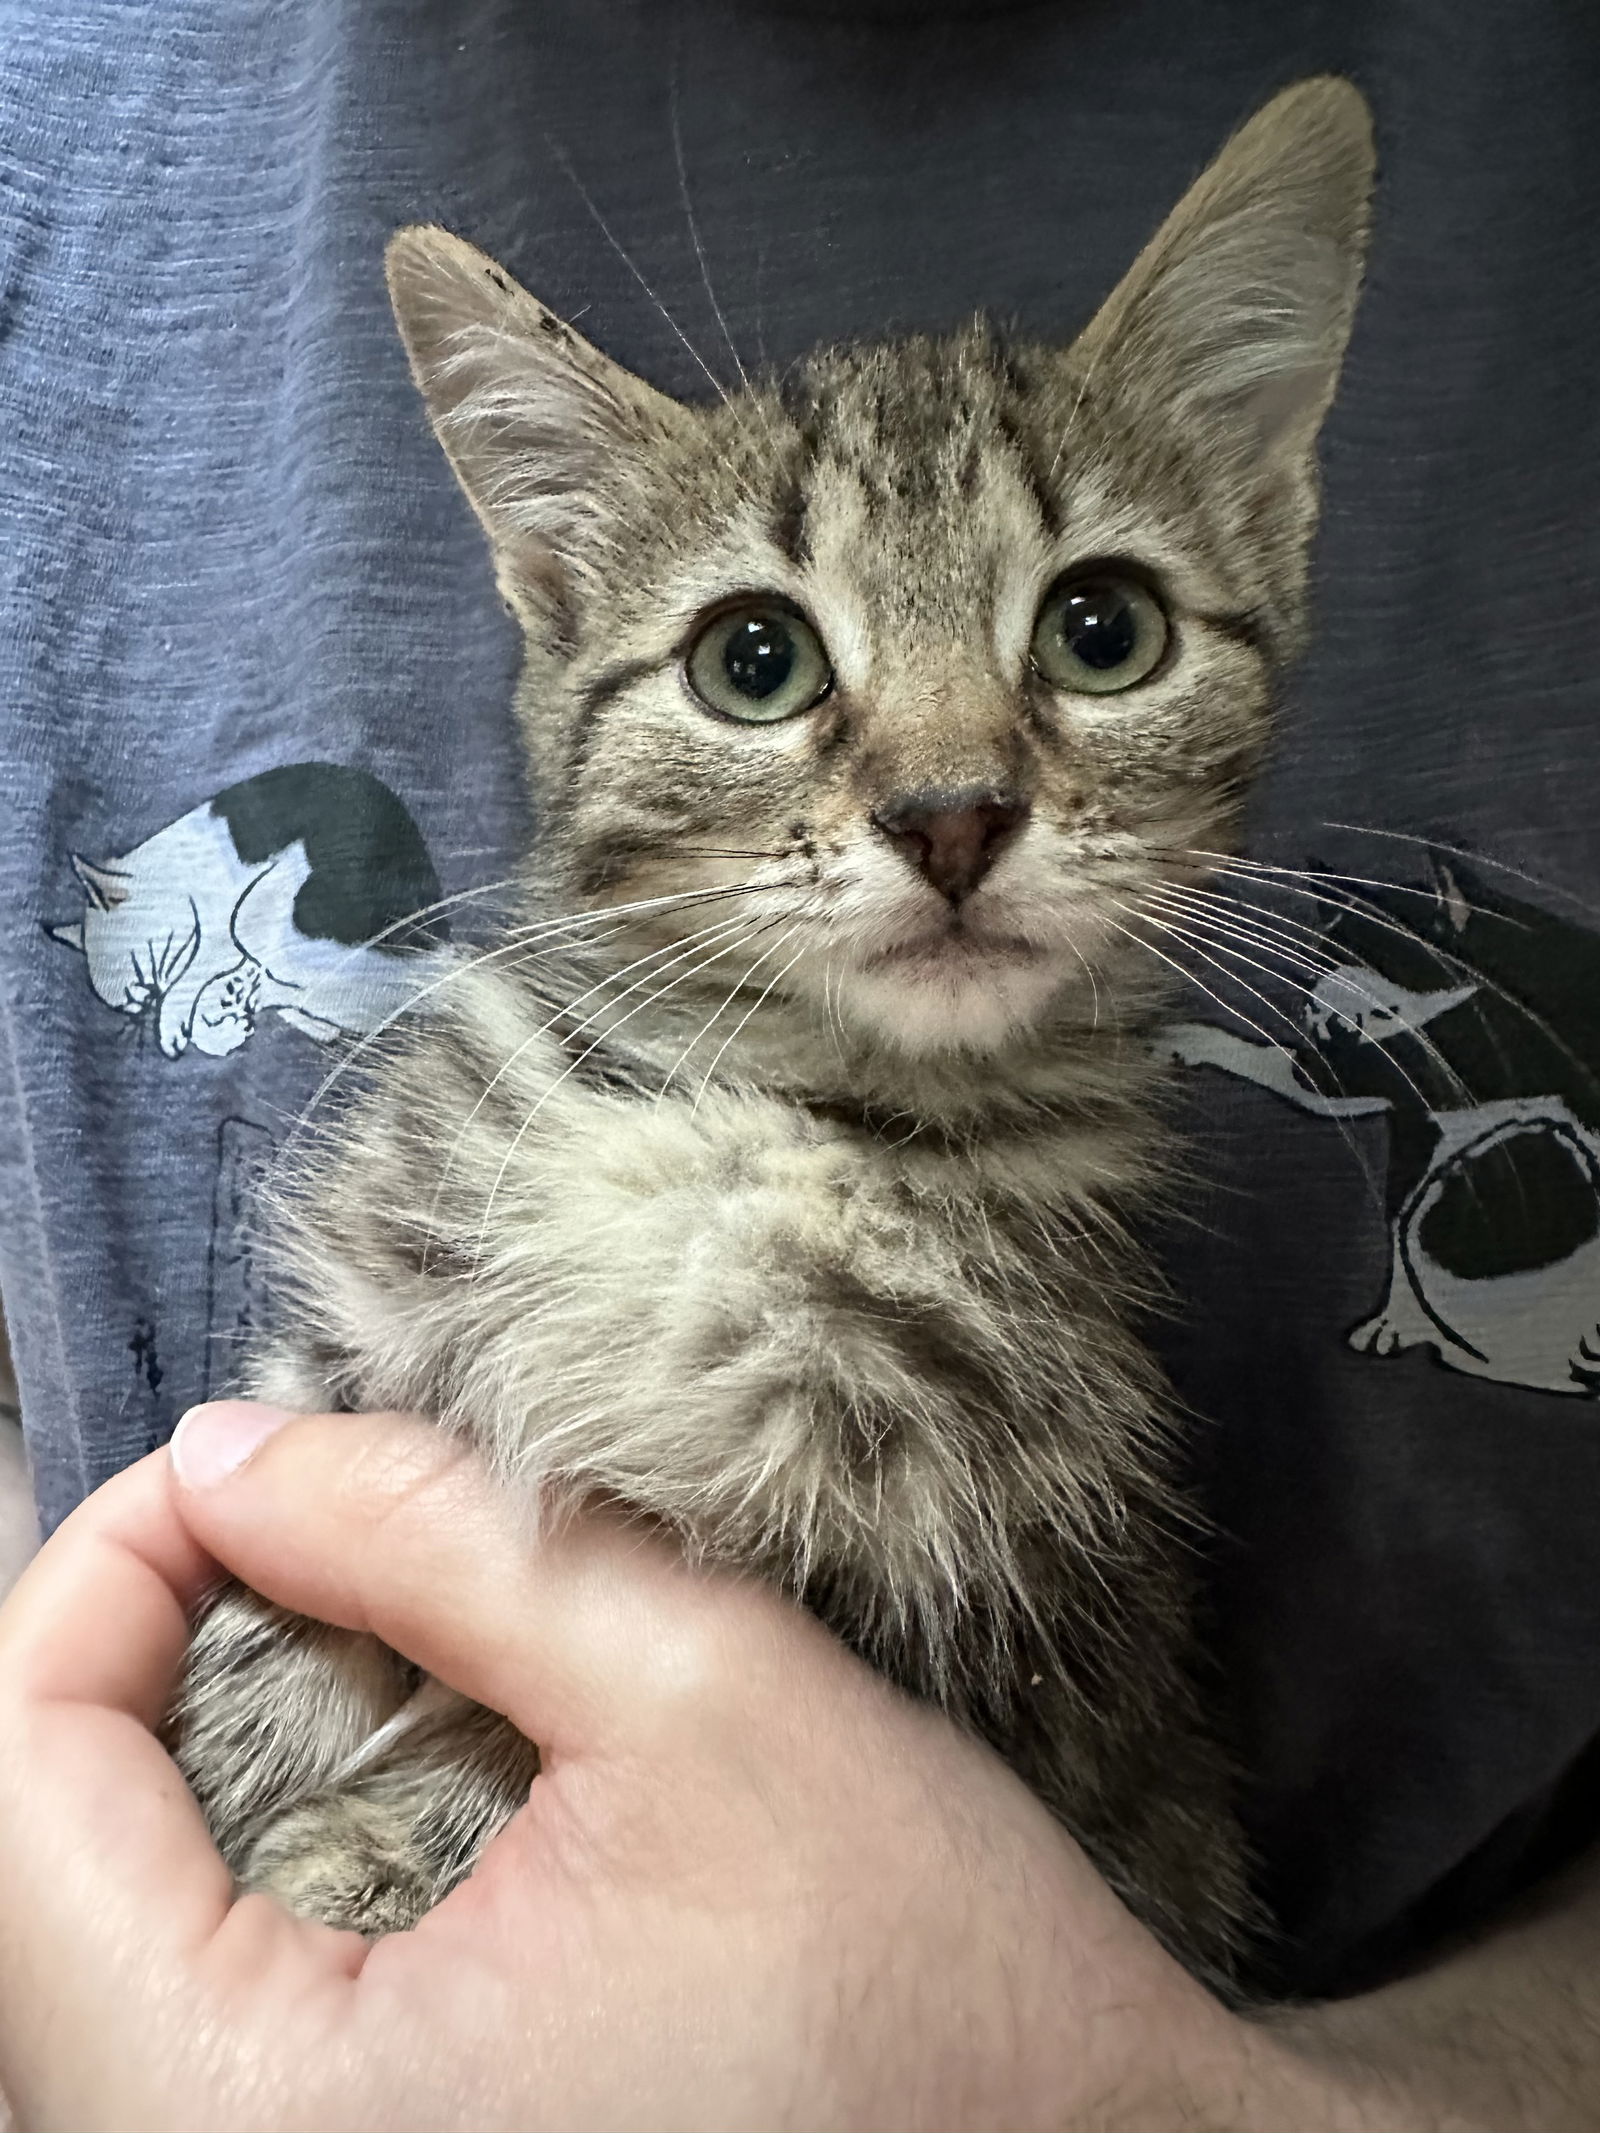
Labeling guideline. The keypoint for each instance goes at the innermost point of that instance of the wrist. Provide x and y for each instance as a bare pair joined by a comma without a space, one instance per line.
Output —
1179,2062
1362,2067
1261,2074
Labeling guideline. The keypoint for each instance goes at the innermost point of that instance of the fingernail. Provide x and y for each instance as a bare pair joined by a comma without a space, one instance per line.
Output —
214,1441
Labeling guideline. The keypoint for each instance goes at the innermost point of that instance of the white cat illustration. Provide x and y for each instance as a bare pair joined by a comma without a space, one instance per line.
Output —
304,891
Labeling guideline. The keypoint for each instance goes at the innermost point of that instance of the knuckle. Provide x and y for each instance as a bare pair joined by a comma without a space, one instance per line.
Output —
710,1647
395,1473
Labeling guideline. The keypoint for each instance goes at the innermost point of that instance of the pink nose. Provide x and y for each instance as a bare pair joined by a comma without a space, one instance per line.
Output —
953,837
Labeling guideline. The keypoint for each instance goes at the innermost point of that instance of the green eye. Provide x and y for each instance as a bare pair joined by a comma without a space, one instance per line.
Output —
759,663
1096,635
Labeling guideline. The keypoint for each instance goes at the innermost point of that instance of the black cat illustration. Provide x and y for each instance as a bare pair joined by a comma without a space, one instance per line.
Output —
1472,1021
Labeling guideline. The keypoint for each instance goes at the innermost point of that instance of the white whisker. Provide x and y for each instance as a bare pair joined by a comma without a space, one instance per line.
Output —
755,1007
1272,1008
694,228
517,941
602,984
649,1000
1335,892
717,1012
1189,978
1473,859
606,232
444,903
1236,955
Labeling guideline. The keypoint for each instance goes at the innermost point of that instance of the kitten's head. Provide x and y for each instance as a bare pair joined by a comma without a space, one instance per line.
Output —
954,647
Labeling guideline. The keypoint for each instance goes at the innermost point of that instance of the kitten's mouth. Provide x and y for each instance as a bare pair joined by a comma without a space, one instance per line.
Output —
951,984
952,947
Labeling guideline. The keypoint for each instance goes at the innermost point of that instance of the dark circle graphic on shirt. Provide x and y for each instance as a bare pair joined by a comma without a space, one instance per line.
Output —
370,871
1513,1203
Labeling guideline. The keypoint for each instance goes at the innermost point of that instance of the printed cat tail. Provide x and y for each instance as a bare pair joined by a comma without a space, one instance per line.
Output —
540,427
1231,326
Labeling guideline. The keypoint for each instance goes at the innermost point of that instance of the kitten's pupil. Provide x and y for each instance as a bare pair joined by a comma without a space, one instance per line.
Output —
1099,628
759,656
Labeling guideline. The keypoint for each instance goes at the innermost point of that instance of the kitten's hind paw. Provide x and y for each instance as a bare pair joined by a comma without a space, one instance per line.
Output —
344,1861
403,1825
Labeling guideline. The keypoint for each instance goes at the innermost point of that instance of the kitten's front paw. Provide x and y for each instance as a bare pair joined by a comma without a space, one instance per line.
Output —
343,1861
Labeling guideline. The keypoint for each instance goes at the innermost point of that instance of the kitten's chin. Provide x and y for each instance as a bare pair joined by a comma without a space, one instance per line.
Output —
933,1000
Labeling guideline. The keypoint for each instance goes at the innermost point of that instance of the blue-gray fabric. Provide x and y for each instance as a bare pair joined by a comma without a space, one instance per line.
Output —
228,545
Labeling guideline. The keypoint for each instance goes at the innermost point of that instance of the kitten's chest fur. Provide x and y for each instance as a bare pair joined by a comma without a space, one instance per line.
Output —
880,1359
877,1354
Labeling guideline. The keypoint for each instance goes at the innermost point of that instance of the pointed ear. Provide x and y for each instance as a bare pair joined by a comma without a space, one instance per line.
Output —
544,432
1235,316
104,887
1452,898
70,936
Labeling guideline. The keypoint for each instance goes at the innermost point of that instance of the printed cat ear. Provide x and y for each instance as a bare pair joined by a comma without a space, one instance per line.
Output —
1235,316
541,428
1452,898
103,886
70,936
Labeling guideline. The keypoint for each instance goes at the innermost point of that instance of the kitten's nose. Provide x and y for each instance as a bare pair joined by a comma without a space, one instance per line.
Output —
953,836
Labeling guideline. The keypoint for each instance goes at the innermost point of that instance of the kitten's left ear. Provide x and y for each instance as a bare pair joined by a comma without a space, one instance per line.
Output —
542,430
1234,317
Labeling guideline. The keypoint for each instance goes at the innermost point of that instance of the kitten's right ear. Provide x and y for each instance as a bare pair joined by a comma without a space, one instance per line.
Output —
542,429
1236,314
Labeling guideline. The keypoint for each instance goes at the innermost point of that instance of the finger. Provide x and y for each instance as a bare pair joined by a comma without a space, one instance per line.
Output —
584,1633
91,1639
109,1881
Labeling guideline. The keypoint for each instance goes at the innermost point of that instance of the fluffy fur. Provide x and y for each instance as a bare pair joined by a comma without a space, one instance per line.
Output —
751,1179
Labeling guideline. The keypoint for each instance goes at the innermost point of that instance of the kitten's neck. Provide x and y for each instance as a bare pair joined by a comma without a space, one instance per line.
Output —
1095,1069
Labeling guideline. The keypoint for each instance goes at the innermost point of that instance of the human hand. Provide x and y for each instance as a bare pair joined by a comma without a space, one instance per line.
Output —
753,1886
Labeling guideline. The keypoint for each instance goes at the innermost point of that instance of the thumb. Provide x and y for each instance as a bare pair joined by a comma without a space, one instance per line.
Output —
588,1632
114,1906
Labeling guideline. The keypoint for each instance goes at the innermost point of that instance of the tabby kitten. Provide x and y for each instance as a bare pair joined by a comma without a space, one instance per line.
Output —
772,1175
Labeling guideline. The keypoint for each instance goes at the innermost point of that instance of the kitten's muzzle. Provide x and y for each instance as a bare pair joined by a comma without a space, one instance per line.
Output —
952,836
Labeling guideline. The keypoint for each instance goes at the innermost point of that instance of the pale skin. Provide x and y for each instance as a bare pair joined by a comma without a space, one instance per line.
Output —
753,1887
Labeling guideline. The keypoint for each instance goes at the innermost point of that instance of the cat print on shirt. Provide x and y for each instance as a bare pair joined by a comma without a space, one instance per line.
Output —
306,891
1471,1022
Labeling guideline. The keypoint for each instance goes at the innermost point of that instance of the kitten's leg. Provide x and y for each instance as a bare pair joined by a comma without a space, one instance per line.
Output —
1149,1793
402,1824
329,1774
332,1774
271,1706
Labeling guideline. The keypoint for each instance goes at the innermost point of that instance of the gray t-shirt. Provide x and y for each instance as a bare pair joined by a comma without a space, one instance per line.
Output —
254,684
